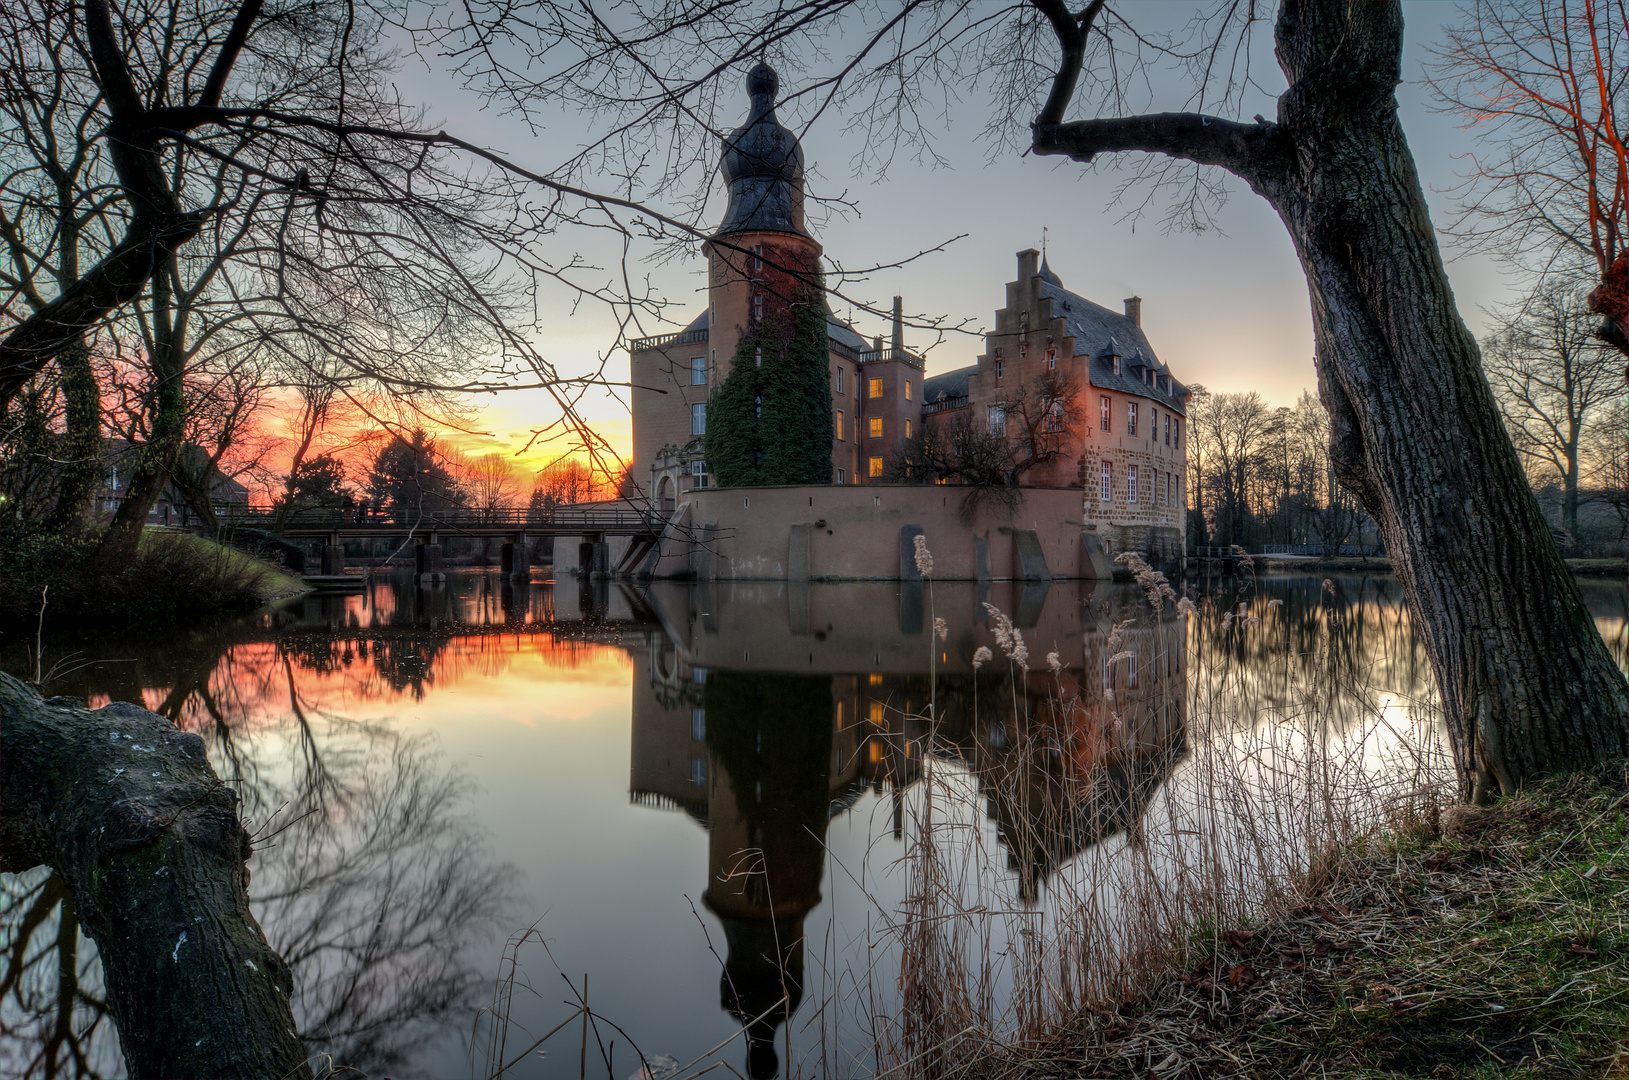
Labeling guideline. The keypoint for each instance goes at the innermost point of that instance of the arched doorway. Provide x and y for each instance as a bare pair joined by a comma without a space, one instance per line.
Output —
665,496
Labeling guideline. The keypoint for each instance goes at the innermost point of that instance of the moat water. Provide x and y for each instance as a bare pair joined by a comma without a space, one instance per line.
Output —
695,801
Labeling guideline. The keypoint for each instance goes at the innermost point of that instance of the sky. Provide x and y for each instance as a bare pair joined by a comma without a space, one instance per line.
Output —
1226,308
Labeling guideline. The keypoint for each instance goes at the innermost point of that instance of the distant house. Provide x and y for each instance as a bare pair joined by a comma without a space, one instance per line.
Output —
119,457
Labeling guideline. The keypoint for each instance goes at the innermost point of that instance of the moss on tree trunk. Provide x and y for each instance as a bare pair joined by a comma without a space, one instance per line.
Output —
125,807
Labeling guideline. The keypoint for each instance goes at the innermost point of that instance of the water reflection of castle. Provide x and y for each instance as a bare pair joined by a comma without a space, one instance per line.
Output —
765,710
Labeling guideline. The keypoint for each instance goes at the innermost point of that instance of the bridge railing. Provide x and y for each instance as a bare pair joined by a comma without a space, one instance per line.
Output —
557,519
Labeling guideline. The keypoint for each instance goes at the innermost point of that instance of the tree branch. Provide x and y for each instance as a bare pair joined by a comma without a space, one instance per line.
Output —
1249,151
1071,31
228,56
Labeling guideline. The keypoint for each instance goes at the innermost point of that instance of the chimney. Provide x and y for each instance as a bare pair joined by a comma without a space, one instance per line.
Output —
876,344
1029,264
1134,309
899,324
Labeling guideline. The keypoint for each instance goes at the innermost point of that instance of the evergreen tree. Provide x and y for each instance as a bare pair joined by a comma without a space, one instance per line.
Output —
770,420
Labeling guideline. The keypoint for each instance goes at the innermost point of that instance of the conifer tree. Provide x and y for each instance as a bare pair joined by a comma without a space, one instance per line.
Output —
770,420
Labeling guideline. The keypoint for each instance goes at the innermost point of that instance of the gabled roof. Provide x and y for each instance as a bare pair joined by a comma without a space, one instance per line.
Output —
1100,334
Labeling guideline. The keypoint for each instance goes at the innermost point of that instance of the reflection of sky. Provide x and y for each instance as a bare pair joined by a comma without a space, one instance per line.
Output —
541,720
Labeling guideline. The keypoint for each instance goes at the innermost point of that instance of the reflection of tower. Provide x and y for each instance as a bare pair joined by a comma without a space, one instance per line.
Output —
770,738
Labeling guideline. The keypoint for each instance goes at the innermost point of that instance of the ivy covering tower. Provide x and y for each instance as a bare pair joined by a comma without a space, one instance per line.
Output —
770,421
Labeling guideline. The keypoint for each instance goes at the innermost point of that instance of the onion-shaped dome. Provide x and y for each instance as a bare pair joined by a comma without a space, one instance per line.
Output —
763,166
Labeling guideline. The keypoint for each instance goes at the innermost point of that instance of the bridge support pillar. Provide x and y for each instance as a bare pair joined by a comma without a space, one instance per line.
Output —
427,559
517,557
333,558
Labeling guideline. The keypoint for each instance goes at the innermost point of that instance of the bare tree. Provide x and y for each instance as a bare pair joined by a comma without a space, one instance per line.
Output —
1551,379
1227,434
1546,82
489,483
562,484
1606,457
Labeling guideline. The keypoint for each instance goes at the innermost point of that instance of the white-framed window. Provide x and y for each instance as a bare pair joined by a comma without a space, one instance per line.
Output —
874,388
842,477
757,306
1103,413
874,427
757,358
998,420
1131,418
876,466
1131,483
839,373
698,371
1052,359
1167,429
1054,416
1108,482
698,419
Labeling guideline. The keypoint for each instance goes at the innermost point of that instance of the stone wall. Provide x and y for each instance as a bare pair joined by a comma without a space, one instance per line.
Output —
866,533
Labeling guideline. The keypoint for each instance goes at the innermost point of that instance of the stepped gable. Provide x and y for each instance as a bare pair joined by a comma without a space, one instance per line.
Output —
1100,333
762,165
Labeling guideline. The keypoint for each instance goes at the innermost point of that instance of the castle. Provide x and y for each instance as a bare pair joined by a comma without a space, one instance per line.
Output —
1118,434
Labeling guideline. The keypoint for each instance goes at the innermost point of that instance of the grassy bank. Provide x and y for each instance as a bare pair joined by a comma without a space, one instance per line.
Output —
1495,944
176,577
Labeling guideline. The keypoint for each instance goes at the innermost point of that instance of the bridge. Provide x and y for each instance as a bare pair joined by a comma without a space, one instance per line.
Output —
594,525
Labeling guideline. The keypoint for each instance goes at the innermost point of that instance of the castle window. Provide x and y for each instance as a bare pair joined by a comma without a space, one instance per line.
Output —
1131,418
1167,429
1160,485
1131,483
875,424
842,477
907,389
839,375
1178,443
757,306
874,388
757,358
698,371
907,429
1052,359
698,419
698,724
876,466
1108,482
1054,416
757,256
999,364
1103,413
839,419
998,420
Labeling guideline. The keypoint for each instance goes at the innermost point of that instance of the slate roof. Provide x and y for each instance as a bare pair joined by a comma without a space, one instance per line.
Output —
1098,333
700,322
840,331
950,384
762,165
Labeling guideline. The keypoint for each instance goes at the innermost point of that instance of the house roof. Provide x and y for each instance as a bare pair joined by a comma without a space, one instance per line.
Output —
844,333
949,384
1102,334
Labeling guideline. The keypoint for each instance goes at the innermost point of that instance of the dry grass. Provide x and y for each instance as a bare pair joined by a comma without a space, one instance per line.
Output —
1498,947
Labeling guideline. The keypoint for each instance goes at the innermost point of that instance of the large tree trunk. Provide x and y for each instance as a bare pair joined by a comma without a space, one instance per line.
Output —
127,810
1527,685
1526,682
82,444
